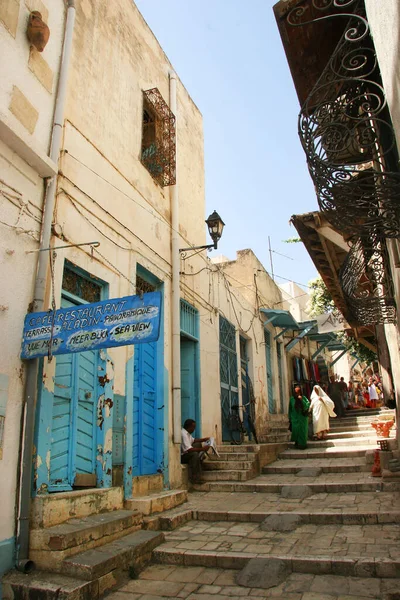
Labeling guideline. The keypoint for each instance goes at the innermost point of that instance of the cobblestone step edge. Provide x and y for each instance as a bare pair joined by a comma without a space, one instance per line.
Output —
351,567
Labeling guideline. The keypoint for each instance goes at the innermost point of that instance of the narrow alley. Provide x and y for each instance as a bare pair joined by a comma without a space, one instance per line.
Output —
193,406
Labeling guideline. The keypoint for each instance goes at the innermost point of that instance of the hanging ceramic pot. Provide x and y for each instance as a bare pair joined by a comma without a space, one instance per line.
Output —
38,32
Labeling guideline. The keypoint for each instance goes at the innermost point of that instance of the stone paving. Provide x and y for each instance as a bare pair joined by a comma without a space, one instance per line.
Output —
311,540
199,583
339,541
367,502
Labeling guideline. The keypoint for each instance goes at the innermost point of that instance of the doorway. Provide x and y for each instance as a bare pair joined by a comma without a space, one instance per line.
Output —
190,361
74,429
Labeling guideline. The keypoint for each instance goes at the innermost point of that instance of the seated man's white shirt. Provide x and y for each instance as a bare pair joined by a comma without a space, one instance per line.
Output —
187,441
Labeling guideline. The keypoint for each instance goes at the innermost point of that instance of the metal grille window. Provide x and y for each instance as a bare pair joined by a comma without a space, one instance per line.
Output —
189,320
228,369
80,286
143,286
158,138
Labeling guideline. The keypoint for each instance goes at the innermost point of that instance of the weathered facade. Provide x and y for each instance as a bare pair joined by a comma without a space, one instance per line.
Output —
107,423
27,95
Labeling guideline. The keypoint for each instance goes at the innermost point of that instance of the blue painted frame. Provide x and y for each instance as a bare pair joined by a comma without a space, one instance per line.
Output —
162,398
44,414
197,374
269,372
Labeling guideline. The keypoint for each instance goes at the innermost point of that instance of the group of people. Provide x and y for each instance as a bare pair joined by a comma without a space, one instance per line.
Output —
330,402
324,404
365,394
321,408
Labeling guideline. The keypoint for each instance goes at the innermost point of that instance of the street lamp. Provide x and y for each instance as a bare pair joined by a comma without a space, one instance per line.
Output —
215,227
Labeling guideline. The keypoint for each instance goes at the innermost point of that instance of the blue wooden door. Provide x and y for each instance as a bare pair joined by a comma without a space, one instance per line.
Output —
268,358
85,414
60,458
189,408
145,430
73,433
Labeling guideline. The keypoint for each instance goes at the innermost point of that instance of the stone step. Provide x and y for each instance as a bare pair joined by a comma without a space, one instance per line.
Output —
53,509
308,516
232,456
364,441
344,487
255,448
354,465
308,548
345,426
168,521
49,547
41,585
366,412
157,502
334,452
311,564
130,552
206,583
372,414
218,465
228,475
276,439
353,434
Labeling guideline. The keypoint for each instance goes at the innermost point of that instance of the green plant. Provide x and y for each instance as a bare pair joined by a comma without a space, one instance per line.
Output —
321,302
293,240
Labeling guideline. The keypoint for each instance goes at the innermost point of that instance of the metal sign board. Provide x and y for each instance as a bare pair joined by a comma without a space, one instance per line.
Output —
105,324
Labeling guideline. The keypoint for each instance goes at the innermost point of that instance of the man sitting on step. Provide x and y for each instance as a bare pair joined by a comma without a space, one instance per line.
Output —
193,450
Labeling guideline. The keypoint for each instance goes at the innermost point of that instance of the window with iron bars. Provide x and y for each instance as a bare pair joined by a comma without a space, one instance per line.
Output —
80,286
158,153
143,286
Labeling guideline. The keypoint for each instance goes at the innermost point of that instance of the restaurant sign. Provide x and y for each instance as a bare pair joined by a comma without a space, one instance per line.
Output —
105,324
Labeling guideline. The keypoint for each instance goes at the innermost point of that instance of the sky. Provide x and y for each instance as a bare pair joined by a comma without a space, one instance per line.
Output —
230,58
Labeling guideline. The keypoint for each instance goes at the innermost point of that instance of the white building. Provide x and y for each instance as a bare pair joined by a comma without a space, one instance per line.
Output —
27,96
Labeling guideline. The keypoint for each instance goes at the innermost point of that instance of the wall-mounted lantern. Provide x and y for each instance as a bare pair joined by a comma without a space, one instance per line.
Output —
215,227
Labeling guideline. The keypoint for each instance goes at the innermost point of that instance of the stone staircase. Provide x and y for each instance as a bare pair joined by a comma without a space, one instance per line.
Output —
235,463
313,526
80,558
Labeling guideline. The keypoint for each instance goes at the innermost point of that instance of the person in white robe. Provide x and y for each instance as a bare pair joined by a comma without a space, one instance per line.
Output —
322,408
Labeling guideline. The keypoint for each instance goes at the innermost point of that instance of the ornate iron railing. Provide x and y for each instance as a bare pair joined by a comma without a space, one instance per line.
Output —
347,135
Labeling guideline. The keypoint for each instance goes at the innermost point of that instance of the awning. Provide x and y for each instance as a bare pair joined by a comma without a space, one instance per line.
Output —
280,318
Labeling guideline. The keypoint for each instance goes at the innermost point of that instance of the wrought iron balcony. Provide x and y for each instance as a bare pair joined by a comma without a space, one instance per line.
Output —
347,135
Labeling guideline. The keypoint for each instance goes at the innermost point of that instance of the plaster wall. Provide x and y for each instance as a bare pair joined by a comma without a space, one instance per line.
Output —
105,193
236,290
21,200
115,58
295,299
342,367
17,69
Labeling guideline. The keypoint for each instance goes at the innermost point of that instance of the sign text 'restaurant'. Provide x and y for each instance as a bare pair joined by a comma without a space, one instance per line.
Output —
117,322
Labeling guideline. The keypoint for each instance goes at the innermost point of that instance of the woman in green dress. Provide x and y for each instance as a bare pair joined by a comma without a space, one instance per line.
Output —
298,417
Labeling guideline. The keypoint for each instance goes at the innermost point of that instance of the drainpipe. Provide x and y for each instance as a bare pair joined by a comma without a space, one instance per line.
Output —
23,562
175,296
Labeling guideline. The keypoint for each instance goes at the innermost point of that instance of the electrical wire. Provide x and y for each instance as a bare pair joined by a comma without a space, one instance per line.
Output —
74,200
